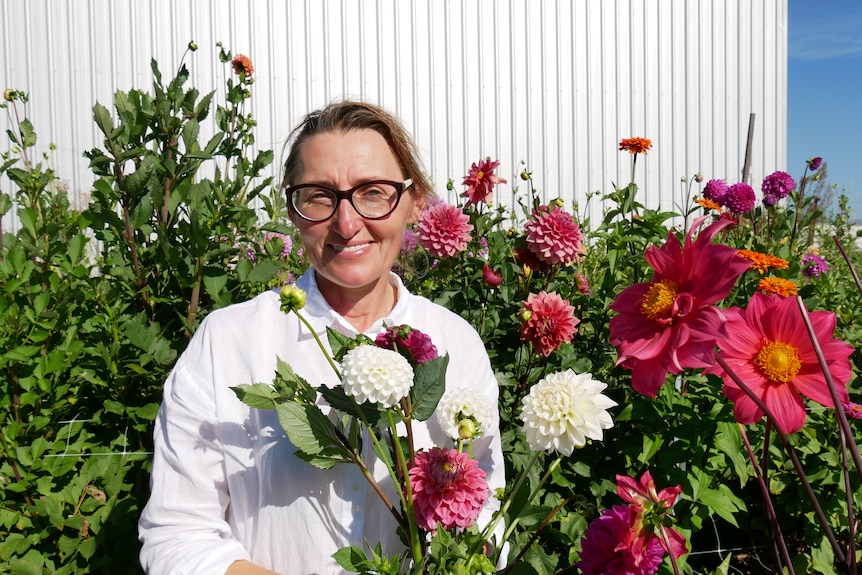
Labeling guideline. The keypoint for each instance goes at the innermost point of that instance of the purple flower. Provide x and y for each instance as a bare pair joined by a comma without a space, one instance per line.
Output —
739,198
608,546
715,190
776,186
814,163
813,266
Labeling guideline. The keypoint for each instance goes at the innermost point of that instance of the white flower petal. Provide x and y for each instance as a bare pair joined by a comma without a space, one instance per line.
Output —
458,404
377,375
565,409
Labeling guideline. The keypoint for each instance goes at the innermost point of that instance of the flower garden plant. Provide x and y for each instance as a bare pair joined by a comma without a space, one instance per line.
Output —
666,396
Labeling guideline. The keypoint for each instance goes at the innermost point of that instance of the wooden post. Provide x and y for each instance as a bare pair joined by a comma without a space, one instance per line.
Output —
747,166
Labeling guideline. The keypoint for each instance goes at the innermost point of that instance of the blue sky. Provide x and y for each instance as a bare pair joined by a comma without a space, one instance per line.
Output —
824,91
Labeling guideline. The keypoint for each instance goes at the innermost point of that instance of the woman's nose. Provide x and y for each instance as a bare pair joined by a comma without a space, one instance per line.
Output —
346,221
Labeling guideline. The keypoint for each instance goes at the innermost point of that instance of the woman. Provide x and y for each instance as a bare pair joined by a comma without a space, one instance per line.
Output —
228,493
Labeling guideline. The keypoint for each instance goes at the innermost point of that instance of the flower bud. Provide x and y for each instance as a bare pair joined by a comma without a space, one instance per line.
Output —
292,298
698,177
193,47
468,428
559,203
525,175
9,94
525,315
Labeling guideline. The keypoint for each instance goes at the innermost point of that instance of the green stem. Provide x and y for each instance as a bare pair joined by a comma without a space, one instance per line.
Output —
319,343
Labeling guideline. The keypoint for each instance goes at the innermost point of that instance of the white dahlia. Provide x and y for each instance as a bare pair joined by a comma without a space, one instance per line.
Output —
563,410
465,413
371,373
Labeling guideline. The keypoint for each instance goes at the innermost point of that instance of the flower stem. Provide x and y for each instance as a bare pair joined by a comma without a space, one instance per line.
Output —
849,263
319,343
778,536
818,510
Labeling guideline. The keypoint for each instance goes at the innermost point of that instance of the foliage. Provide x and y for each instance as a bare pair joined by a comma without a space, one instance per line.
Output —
98,303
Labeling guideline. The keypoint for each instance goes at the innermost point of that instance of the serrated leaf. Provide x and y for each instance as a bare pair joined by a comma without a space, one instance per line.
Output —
429,384
256,395
307,428
340,401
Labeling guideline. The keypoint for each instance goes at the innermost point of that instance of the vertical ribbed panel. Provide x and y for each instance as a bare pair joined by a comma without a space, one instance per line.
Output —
550,86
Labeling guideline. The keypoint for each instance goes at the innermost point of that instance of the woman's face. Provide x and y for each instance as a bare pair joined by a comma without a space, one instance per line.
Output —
351,253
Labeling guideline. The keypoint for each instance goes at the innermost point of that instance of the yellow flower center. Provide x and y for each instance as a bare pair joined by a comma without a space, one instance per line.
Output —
778,361
480,175
658,301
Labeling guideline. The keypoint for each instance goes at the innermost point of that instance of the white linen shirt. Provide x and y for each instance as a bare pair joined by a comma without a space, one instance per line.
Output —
226,484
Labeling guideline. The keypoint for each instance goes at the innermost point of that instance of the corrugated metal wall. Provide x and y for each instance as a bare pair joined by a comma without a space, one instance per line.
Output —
546,85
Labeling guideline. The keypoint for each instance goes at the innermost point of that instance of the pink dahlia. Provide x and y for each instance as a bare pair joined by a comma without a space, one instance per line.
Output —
548,321
444,230
671,323
554,236
776,186
402,338
449,489
608,546
492,277
768,348
739,198
480,182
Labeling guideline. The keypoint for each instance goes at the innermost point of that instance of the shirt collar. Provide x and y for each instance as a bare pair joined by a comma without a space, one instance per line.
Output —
320,315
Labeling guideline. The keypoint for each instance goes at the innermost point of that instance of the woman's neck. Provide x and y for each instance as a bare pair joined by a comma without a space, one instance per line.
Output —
361,307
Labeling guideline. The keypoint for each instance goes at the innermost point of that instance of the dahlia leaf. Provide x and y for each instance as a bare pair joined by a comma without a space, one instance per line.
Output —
339,400
429,383
258,395
308,429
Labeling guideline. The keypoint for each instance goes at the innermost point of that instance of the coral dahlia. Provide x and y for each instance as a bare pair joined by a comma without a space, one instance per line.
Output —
549,322
554,236
242,65
767,346
635,145
480,182
670,323
444,230
449,489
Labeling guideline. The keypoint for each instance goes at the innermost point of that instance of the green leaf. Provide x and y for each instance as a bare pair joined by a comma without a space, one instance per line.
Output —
103,119
28,134
307,428
429,385
262,272
257,395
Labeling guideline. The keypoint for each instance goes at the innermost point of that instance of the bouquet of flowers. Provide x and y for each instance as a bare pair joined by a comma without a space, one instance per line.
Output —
391,382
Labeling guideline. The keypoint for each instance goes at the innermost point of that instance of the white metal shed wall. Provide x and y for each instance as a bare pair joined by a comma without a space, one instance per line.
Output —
554,84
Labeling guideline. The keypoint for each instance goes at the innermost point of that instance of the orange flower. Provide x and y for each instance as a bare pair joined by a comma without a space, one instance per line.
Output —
635,145
762,262
777,286
708,204
242,65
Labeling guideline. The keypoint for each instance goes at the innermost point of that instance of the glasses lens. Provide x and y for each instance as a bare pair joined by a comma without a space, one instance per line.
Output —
314,203
375,200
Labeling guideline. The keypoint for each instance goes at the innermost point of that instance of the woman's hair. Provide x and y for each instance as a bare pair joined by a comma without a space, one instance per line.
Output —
351,115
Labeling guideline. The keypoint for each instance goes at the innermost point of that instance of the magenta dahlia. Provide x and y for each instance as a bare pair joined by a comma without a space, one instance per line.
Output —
776,186
739,198
449,489
609,546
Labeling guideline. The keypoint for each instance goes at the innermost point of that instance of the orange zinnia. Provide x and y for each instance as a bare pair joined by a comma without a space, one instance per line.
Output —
762,262
708,204
777,286
635,145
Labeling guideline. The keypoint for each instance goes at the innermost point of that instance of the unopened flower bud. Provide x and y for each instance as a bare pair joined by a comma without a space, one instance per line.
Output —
292,298
525,175
525,315
559,203
193,47
8,94
467,428
698,177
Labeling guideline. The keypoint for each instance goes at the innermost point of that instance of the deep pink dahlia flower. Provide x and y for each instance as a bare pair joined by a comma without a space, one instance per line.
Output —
492,277
768,348
650,506
449,489
671,323
608,546
444,230
715,190
776,186
417,344
554,236
549,321
480,182
739,198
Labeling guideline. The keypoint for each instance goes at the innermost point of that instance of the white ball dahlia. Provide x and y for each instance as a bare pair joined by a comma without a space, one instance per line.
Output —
371,373
465,413
563,410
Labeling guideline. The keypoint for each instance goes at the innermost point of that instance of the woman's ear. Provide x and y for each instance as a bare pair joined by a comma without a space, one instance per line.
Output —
418,205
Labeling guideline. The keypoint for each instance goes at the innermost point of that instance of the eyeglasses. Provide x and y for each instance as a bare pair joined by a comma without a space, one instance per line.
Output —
372,200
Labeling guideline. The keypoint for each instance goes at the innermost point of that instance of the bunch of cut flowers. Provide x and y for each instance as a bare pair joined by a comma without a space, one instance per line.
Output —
399,378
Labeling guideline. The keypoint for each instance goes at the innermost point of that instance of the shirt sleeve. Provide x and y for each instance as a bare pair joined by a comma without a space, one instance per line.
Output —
183,527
